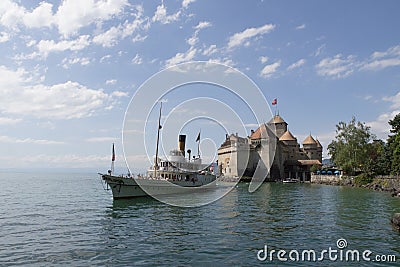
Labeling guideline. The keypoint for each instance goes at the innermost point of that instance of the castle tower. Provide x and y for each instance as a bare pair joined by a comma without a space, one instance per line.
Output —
319,150
288,139
310,147
291,142
280,125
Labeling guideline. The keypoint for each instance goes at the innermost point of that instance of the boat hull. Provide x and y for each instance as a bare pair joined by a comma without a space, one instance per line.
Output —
124,187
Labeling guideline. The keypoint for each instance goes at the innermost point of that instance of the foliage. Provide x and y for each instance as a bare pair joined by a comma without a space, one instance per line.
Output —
395,149
395,123
363,179
394,145
378,161
351,148
314,168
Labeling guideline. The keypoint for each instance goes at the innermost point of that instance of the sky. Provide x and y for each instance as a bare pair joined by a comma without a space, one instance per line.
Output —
69,69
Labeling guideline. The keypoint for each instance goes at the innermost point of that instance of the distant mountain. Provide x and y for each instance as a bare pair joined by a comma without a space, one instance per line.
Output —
327,162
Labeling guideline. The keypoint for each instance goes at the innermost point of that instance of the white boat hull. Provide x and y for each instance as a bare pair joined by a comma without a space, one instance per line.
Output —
124,187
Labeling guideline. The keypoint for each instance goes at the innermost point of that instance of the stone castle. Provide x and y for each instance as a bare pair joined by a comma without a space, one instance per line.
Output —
239,156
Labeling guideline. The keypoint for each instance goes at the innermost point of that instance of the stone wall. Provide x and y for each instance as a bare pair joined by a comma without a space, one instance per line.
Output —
325,179
380,183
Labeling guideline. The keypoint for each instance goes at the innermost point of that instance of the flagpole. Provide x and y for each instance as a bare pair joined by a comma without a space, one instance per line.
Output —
158,139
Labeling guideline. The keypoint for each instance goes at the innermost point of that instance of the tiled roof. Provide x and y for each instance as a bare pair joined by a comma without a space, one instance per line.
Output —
309,162
309,141
257,133
287,136
263,131
277,119
318,143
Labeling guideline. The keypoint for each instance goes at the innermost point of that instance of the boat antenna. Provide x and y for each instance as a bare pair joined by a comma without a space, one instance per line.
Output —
158,140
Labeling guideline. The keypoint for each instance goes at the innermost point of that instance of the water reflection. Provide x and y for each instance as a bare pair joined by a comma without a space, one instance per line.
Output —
284,216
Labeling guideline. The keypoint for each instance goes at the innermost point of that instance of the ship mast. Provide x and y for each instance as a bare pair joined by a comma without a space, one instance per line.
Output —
158,139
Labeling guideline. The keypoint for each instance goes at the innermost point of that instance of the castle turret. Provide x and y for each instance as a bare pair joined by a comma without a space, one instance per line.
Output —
319,150
280,125
310,147
291,142
288,139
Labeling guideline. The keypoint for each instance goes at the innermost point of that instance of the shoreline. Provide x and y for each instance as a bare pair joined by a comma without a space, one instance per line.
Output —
382,184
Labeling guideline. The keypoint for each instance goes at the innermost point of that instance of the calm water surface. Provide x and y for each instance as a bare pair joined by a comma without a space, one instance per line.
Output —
68,219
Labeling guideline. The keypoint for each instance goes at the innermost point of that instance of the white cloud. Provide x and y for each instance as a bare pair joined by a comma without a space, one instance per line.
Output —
108,38
111,82
181,57
202,25
62,160
101,139
319,50
47,46
297,64
11,14
161,15
194,38
41,16
120,94
301,27
263,59
392,51
9,121
186,3
382,60
244,36
367,97
13,140
210,50
4,37
69,18
137,60
395,100
67,62
382,63
224,61
75,14
138,38
340,66
380,126
337,66
270,69
113,35
105,58
22,95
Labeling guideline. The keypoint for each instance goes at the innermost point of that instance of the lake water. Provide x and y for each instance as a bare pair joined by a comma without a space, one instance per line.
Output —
68,219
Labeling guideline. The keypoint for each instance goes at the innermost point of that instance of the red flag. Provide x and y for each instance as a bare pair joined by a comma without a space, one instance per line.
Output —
113,154
275,101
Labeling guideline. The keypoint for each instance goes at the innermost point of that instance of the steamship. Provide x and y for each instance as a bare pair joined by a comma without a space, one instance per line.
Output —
174,175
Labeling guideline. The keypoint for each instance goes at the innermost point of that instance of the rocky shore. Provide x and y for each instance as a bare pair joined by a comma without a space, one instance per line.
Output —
384,184
395,221
391,185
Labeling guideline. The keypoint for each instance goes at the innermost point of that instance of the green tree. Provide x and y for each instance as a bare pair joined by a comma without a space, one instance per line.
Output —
351,148
378,161
395,149
394,145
